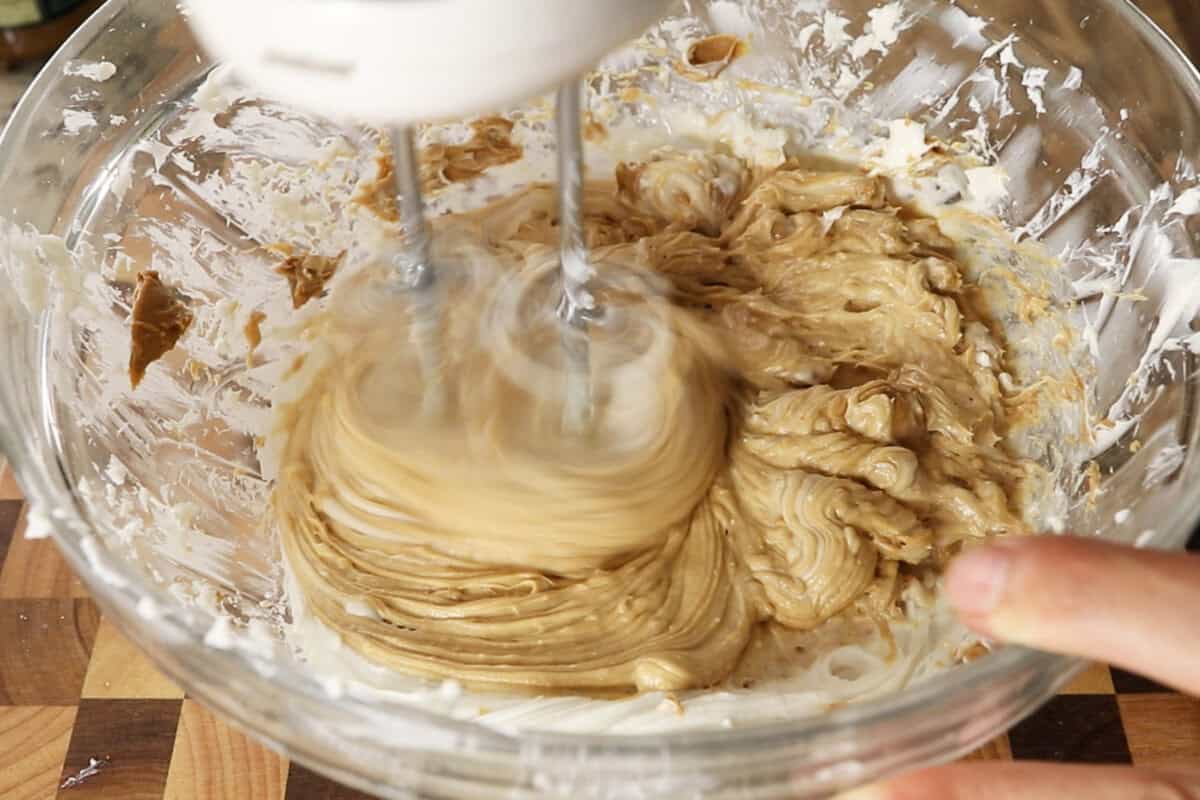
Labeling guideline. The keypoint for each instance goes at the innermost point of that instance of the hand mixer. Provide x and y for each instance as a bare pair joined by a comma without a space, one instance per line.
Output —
400,62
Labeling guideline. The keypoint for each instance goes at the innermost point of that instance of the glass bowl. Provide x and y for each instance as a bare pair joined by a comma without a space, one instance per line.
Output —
1089,108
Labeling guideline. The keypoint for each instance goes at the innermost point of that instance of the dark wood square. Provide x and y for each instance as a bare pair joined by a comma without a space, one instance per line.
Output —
1079,728
304,784
1129,683
131,741
10,514
45,646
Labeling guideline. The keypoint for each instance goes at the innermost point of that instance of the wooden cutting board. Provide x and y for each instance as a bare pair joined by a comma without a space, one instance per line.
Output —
84,715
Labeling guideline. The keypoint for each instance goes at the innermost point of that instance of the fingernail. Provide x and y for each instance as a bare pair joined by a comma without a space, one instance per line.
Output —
863,793
978,580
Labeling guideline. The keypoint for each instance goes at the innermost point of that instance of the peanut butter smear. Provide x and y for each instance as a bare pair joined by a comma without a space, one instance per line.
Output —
252,330
490,145
307,275
708,57
793,428
159,320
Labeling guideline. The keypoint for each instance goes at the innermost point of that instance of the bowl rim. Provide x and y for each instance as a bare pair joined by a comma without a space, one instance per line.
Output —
45,483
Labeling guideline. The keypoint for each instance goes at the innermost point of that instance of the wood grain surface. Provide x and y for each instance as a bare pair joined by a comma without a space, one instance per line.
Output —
212,759
83,714
33,745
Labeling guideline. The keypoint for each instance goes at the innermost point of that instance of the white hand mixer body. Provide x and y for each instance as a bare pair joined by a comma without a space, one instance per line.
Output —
406,61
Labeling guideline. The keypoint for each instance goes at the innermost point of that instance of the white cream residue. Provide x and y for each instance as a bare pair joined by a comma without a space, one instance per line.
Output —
1034,81
968,31
76,121
833,30
217,92
41,269
1074,79
37,524
988,188
1187,204
881,31
98,71
904,146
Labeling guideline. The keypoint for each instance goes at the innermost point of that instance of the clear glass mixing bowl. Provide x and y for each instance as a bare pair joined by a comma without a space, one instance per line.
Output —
1098,177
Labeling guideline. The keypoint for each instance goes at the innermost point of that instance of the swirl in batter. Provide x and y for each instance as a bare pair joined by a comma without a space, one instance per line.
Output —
798,422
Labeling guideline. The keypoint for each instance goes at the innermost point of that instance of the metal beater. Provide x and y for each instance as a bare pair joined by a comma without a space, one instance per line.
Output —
577,307
395,63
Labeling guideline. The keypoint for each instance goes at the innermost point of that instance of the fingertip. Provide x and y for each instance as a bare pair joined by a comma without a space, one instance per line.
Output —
872,792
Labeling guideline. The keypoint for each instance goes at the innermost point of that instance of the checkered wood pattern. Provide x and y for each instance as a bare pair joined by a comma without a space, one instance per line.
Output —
83,714
77,698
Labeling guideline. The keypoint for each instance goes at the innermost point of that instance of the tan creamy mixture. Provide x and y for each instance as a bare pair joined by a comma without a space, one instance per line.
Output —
157,321
805,418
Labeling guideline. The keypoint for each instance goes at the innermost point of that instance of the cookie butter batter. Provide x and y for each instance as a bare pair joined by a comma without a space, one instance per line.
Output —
806,416
157,321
